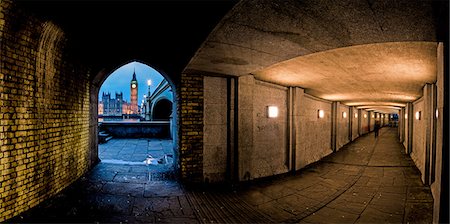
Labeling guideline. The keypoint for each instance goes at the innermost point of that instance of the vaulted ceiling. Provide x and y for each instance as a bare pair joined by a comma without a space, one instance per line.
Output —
374,54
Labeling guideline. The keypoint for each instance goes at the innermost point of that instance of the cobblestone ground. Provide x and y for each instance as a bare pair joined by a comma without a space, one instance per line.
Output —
368,181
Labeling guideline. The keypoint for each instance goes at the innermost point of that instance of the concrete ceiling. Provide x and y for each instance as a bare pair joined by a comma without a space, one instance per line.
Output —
379,73
374,52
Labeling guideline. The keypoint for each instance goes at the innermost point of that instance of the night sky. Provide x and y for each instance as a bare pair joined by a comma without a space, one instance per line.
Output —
119,80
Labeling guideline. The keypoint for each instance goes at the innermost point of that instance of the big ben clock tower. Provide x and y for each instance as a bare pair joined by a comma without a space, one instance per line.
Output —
134,92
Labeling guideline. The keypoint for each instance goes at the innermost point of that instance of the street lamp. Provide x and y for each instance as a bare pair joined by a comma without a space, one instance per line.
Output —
147,105
149,83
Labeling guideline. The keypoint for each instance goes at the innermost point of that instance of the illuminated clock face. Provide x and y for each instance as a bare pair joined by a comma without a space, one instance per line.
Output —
133,85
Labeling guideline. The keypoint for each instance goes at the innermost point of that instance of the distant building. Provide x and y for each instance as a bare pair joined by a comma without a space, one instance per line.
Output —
113,106
134,95
118,106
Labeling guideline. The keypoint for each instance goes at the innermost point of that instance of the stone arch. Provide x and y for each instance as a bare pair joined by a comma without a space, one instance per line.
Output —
97,81
162,109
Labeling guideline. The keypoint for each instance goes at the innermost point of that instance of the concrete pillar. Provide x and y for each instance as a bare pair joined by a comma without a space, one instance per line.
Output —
298,98
245,87
440,186
410,122
428,119
359,122
334,121
350,119
295,95
290,162
401,125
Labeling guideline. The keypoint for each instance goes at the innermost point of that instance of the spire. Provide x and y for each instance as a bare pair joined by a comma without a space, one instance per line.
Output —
134,75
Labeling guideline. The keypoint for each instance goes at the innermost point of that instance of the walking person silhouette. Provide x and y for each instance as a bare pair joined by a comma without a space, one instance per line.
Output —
377,128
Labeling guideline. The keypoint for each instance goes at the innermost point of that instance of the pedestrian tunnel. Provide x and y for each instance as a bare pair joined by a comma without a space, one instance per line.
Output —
261,89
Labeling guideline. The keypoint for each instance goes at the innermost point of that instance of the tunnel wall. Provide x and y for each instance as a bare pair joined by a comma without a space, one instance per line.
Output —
418,141
262,140
355,123
407,128
401,125
44,111
371,120
215,129
364,122
313,133
436,185
343,126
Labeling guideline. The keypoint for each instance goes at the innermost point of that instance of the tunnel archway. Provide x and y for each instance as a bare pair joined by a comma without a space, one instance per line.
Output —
171,150
162,110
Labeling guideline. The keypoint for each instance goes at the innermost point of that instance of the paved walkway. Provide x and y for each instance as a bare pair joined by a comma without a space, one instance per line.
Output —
134,151
368,181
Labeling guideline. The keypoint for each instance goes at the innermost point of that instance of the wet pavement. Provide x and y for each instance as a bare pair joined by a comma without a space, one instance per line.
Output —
368,181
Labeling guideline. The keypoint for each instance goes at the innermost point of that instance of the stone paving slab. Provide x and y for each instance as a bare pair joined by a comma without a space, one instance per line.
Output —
348,187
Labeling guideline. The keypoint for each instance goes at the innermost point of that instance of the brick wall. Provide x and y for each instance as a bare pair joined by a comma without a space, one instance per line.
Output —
44,112
190,113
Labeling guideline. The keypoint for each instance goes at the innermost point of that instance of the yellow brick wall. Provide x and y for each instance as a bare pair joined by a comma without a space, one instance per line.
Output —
190,113
44,112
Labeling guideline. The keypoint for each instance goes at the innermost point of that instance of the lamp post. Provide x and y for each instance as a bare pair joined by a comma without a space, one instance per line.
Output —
147,99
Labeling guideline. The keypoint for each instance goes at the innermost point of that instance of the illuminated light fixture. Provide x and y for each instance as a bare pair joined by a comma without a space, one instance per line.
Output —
365,115
437,113
344,114
373,115
406,116
356,115
392,116
378,116
382,116
418,115
320,113
149,82
272,111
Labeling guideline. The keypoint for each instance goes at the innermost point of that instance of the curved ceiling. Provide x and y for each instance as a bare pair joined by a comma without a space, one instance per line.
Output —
379,73
363,53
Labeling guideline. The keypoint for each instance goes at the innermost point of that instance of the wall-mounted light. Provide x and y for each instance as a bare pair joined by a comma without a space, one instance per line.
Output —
272,111
406,116
149,82
378,115
382,116
356,115
373,115
365,115
418,115
320,113
437,113
344,114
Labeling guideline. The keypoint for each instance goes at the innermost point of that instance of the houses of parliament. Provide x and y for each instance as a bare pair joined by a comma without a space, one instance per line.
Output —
118,106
